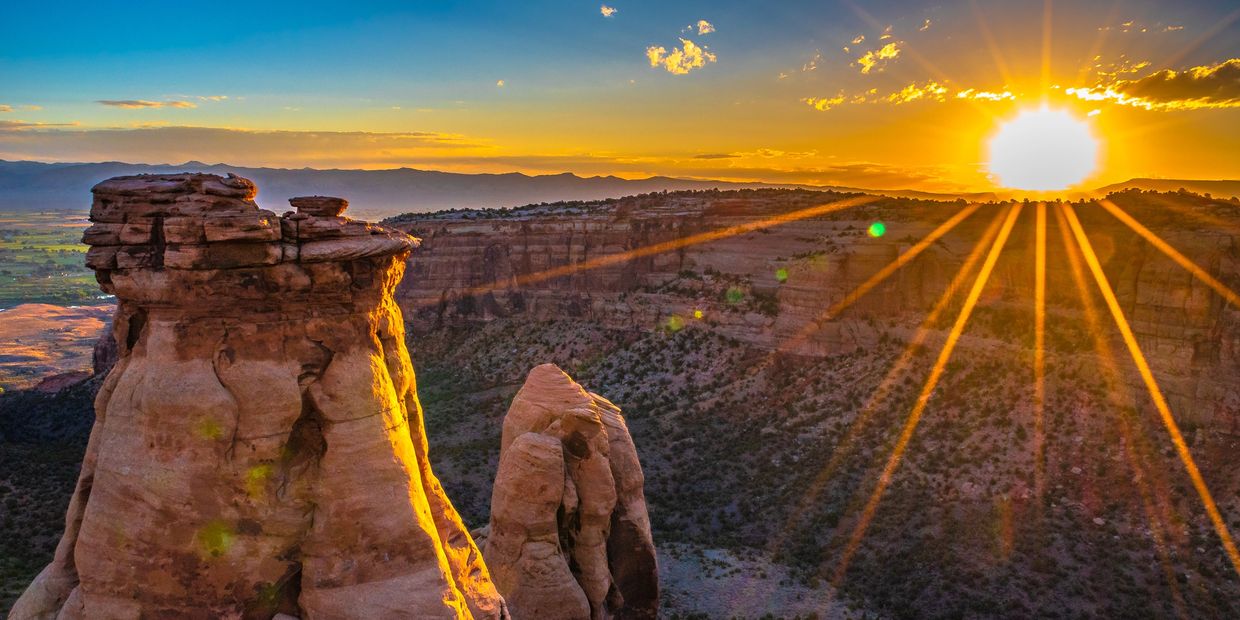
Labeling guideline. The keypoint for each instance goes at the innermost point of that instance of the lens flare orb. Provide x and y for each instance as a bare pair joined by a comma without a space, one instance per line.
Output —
1043,150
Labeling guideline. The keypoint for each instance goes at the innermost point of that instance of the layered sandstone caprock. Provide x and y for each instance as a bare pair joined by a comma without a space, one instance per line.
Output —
258,447
569,535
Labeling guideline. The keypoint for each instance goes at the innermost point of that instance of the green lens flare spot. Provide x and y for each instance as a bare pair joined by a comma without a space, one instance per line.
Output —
877,229
256,479
734,295
208,428
675,323
781,275
215,538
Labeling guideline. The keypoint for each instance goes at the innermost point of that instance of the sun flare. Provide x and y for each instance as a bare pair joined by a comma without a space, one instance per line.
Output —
1043,149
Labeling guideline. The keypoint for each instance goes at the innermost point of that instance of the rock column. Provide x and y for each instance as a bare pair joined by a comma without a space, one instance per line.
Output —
258,447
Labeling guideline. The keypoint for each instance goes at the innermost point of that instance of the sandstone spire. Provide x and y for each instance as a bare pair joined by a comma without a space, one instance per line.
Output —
569,536
258,447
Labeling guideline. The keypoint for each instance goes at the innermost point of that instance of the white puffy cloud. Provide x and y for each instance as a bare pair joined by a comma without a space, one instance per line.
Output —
705,27
608,11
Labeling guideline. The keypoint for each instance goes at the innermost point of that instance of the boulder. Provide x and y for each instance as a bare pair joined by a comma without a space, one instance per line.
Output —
569,536
320,206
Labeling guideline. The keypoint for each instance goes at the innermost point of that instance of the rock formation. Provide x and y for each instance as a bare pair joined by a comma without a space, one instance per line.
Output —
258,446
569,536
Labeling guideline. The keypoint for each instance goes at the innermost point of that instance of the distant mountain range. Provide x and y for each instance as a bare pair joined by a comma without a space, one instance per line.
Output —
1218,189
26,185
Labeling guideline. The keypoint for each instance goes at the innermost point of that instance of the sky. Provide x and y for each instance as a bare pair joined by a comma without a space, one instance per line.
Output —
879,94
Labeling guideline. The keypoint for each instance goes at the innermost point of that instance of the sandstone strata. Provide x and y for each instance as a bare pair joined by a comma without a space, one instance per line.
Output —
569,535
258,446
763,287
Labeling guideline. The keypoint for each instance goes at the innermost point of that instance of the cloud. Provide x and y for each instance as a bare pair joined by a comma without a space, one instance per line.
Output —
499,83
886,33
716,156
680,60
822,104
1216,86
5,108
242,147
812,63
705,27
925,26
7,126
608,11
930,91
877,58
985,95
131,104
859,39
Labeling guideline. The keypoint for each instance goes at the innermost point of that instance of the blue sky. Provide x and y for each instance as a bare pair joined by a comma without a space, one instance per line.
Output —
579,91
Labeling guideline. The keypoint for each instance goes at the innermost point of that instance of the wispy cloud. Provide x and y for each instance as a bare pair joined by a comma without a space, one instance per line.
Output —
133,104
5,108
705,27
499,83
859,39
985,95
1133,25
823,104
680,60
1214,86
929,91
925,26
608,11
886,33
157,144
877,58
23,125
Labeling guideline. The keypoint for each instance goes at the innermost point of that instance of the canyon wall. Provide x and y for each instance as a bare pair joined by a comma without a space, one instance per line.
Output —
258,447
770,286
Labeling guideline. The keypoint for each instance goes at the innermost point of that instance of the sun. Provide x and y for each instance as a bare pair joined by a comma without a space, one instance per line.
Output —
1043,149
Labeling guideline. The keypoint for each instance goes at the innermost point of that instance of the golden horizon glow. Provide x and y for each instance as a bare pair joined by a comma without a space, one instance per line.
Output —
1044,149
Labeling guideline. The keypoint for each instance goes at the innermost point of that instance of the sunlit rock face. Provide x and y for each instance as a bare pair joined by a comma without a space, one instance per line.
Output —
569,536
763,287
258,446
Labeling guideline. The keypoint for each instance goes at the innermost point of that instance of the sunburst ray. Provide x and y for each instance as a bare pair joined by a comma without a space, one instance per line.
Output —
923,399
1160,403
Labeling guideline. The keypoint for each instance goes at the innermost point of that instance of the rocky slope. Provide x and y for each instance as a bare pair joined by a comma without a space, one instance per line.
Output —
257,441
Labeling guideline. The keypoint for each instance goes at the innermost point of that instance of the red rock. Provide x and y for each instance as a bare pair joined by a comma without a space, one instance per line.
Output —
258,446
321,206
568,492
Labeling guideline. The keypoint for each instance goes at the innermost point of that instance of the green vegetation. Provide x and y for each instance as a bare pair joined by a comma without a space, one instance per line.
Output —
733,443
42,260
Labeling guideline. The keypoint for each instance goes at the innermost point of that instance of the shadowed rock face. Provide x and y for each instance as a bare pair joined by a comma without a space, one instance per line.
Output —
569,535
258,446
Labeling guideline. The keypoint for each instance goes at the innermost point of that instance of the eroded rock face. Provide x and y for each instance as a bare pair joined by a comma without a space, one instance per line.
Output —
569,535
258,446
